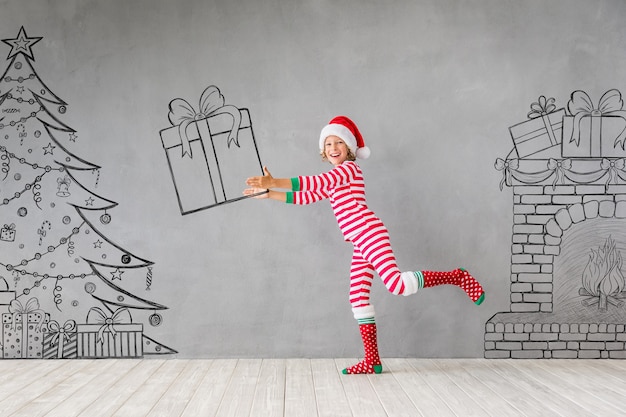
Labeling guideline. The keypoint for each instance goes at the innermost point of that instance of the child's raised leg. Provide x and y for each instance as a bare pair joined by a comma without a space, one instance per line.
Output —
459,277
374,247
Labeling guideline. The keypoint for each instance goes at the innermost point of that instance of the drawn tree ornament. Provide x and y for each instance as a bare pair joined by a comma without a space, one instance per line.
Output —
49,241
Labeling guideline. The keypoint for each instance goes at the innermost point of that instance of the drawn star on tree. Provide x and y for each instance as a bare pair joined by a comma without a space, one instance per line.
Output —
22,44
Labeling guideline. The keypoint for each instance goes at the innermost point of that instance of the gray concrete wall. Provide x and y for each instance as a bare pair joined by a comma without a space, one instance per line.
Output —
433,86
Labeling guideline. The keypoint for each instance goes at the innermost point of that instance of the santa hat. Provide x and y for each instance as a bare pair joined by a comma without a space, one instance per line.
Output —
345,129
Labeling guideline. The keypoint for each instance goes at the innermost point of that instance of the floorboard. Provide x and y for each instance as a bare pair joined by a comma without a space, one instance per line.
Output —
17,374
36,386
329,393
113,397
237,400
463,374
590,397
65,391
361,396
269,398
541,392
111,374
208,396
426,401
311,388
299,390
179,392
461,403
152,390
392,397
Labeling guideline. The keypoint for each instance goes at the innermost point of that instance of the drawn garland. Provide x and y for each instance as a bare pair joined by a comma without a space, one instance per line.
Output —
577,172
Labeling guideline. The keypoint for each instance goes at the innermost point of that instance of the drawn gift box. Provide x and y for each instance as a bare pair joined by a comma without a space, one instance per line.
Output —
7,232
210,153
542,132
109,337
22,330
60,342
594,132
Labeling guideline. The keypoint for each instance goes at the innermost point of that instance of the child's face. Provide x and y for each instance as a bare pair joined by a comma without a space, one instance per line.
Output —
336,150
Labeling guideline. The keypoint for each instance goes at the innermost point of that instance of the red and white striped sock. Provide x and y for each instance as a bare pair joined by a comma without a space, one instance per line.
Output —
459,277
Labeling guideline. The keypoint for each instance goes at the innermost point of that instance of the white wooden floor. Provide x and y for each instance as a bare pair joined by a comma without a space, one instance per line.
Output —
312,387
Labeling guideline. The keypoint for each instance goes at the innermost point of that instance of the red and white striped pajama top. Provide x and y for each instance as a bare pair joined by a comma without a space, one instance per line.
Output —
345,188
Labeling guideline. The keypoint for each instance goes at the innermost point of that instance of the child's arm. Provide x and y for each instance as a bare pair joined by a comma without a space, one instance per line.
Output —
295,196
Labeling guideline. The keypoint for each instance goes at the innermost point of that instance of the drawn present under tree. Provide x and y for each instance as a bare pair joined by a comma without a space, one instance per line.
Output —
55,245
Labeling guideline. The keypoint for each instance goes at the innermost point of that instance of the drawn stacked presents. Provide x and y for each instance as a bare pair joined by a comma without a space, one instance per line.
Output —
585,130
210,151
28,332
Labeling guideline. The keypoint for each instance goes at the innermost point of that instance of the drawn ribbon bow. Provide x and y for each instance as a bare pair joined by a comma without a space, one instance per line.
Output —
32,306
541,108
9,227
97,316
558,167
182,114
506,167
580,105
612,167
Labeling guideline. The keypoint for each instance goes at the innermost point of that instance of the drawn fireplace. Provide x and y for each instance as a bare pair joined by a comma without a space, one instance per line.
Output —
567,171
568,283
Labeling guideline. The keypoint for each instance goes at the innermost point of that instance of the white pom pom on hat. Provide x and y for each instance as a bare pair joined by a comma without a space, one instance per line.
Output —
345,129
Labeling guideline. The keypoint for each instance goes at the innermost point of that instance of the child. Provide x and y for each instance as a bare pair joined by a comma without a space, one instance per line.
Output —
340,144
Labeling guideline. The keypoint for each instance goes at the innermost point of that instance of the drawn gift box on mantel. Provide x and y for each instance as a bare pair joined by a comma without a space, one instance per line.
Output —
109,336
540,136
594,132
210,152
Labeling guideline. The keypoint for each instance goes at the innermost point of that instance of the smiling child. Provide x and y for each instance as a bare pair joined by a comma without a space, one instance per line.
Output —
341,144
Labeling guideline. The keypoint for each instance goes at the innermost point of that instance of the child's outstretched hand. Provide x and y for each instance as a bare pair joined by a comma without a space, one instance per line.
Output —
259,184
252,191
264,182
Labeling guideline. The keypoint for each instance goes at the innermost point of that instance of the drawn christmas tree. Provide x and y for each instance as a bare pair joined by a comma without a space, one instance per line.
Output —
53,238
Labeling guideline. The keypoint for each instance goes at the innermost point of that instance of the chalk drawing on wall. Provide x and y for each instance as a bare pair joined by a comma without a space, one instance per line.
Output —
208,150
603,283
567,171
66,289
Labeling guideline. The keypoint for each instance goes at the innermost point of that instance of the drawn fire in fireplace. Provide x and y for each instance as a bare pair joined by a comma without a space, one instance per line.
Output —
602,279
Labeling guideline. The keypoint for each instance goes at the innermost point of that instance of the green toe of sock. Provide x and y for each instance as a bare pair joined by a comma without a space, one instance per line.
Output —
480,299
378,369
